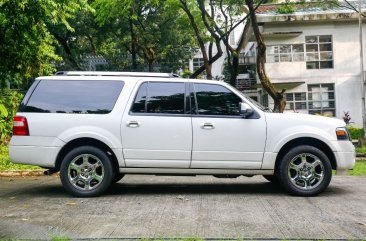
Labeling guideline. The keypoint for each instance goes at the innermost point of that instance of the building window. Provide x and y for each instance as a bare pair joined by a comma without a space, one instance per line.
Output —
296,101
197,63
285,53
247,78
246,59
321,99
319,52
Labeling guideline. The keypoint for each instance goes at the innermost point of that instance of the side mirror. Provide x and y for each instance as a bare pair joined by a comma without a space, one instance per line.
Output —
245,109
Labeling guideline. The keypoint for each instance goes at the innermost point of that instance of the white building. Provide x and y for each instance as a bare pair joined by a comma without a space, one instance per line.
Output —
314,54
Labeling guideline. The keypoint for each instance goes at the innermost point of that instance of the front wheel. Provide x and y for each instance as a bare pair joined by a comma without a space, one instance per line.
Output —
305,171
271,178
86,171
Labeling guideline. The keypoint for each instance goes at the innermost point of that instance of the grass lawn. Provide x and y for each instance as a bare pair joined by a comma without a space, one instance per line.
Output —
359,169
5,164
361,150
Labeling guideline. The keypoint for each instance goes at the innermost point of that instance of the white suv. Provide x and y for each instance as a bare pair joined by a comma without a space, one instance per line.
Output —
95,127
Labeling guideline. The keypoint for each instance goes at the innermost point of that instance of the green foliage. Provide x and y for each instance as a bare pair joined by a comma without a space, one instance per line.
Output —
286,8
356,133
60,238
153,32
9,103
186,73
291,6
359,169
361,150
27,47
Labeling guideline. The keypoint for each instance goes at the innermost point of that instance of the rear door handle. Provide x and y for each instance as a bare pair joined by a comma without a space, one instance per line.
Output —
133,124
207,126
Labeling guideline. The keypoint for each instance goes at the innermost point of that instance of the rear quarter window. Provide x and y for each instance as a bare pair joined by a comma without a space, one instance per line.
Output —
74,96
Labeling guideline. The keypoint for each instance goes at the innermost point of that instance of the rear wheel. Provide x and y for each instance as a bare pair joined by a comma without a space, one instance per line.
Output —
86,171
305,171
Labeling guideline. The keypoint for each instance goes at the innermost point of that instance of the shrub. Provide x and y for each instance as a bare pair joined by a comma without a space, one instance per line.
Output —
356,133
286,8
9,103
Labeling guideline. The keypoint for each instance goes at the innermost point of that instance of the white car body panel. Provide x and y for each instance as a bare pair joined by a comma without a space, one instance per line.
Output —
43,156
157,139
232,143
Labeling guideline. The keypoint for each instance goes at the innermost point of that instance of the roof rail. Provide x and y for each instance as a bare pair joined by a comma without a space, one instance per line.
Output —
107,73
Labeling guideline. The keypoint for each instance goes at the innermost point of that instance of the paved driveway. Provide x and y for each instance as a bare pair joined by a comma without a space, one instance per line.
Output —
171,207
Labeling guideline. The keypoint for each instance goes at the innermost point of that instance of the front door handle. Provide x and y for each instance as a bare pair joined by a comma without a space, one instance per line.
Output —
133,124
207,126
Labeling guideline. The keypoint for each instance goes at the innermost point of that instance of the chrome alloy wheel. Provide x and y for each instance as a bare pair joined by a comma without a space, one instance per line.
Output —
85,172
306,171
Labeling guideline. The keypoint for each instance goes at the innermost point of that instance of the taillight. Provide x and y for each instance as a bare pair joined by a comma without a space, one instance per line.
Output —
20,126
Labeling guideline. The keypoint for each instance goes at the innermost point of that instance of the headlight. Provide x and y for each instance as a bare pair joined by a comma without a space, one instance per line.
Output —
342,134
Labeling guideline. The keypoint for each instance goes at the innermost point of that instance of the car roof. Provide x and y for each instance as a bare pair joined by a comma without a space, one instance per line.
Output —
122,76
112,73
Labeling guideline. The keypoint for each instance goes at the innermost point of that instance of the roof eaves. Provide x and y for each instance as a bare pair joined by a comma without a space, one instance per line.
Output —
268,13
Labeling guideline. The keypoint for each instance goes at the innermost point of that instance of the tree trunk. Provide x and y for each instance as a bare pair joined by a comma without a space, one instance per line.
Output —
63,42
278,97
244,40
150,56
234,69
151,66
208,59
133,43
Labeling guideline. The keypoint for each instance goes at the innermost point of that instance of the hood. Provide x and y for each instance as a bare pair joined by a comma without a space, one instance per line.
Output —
306,119
303,123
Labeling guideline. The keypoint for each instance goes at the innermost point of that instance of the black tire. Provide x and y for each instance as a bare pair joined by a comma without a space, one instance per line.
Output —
117,177
90,169
307,179
271,178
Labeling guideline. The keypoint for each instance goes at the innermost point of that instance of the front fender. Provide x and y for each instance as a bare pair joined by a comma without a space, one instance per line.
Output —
277,141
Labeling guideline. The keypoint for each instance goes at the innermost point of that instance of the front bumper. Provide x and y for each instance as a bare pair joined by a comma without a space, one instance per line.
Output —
345,156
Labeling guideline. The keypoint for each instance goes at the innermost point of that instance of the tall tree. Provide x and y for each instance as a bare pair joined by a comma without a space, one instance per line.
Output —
278,97
149,31
221,21
26,45
197,20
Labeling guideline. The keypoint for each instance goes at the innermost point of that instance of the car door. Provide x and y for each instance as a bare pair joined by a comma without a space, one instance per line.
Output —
157,130
222,138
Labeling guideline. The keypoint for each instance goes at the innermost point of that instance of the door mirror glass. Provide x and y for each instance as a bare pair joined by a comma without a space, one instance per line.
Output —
245,109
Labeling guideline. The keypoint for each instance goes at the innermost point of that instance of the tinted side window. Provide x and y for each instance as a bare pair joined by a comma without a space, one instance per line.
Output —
160,97
74,96
216,100
139,105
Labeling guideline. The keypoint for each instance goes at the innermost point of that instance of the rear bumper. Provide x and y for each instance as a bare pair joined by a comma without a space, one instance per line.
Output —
34,155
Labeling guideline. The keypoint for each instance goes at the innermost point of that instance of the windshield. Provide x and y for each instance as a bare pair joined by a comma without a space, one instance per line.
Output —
259,106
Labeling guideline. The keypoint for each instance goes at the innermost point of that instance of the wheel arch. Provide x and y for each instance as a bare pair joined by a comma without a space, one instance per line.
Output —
310,141
86,141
